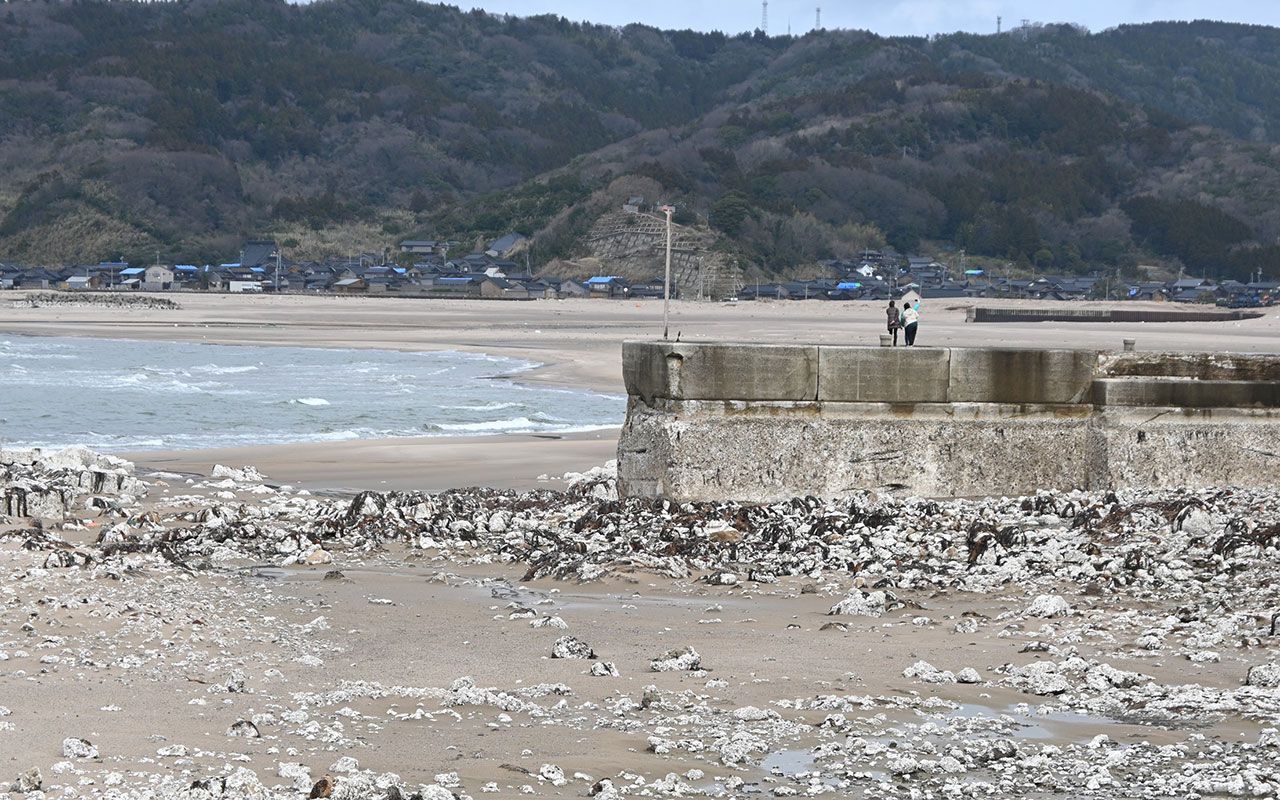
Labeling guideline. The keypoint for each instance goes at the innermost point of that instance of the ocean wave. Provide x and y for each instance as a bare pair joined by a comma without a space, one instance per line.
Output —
146,386
214,369
484,407
516,424
37,356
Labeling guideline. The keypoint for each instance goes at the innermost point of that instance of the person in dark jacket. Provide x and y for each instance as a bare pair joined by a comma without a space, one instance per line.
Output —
894,320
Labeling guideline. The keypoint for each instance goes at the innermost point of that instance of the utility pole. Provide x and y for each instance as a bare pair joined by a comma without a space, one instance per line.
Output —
277,269
666,281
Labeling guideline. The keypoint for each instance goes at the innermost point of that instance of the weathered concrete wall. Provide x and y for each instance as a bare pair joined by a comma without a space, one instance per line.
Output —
761,423
988,314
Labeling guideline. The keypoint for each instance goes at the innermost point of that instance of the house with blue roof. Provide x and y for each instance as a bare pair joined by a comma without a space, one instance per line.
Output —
607,286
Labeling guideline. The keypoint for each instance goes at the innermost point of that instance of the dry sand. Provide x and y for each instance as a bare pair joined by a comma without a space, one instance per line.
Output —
578,341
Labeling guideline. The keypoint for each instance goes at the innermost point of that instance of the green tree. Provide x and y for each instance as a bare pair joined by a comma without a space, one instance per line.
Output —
730,212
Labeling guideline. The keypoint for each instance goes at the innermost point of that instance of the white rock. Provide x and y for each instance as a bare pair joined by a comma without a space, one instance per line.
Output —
78,748
1265,675
1048,606
677,660
861,604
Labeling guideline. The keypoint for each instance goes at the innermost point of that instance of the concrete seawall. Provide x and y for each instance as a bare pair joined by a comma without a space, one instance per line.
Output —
988,314
758,423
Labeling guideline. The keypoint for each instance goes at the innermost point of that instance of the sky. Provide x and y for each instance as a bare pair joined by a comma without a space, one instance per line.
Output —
889,17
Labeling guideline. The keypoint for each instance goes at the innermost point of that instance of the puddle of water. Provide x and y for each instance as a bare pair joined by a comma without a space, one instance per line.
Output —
788,762
1059,726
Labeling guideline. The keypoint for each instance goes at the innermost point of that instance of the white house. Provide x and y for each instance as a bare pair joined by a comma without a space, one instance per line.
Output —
157,279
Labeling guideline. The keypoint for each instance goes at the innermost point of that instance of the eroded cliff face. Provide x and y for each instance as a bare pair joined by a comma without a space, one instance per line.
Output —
633,246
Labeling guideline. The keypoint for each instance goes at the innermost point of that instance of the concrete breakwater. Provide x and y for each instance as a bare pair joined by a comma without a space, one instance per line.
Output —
987,314
758,423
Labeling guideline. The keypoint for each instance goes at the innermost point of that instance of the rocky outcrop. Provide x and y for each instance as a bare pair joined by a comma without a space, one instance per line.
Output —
45,484
634,246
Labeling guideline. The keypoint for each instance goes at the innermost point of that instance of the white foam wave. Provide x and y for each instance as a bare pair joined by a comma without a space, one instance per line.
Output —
519,423
483,407
214,369
311,401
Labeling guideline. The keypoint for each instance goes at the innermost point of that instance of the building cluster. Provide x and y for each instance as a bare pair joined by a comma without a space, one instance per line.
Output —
500,273
497,273
880,276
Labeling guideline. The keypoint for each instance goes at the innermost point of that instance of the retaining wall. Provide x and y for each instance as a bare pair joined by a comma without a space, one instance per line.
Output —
756,423
1056,314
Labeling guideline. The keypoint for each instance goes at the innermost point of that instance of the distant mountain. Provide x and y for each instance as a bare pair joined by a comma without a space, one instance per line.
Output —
127,128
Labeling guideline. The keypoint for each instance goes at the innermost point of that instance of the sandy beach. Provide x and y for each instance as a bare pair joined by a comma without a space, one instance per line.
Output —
578,342
428,464
187,639
166,634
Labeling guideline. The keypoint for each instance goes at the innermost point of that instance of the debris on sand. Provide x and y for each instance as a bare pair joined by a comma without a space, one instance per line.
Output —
1048,606
571,647
114,300
681,659
73,747
861,604
1172,603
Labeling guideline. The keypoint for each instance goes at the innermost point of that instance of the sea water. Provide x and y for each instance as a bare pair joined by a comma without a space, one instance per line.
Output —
130,395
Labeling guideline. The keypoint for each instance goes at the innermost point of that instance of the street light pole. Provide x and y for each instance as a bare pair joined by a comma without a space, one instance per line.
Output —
666,281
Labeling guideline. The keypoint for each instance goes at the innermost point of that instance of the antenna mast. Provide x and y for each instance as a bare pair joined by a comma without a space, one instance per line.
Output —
817,24
998,21
764,16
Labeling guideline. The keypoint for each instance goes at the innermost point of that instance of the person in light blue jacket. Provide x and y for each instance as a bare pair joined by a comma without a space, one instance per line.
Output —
910,322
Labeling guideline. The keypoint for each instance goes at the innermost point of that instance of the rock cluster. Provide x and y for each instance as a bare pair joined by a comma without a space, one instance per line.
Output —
46,484
96,300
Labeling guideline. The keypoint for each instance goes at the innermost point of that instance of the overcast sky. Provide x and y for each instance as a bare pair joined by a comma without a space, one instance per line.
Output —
885,16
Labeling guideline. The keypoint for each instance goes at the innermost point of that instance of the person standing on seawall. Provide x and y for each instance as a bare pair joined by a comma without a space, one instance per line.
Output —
895,321
910,321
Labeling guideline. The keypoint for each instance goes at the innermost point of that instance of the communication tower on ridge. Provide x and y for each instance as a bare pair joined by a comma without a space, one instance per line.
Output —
817,23
764,16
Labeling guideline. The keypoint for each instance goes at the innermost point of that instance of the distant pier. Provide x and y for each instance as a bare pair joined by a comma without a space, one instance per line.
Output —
988,314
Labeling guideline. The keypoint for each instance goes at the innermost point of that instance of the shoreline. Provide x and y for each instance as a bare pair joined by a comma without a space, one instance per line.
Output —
425,463
533,375
576,345
397,463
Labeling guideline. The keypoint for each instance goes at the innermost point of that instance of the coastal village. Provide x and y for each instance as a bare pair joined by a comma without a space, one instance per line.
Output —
501,271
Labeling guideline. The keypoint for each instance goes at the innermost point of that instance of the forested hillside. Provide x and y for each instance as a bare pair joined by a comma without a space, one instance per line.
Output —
130,128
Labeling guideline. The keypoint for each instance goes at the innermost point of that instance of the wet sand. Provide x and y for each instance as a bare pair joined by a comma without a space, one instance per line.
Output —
424,464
